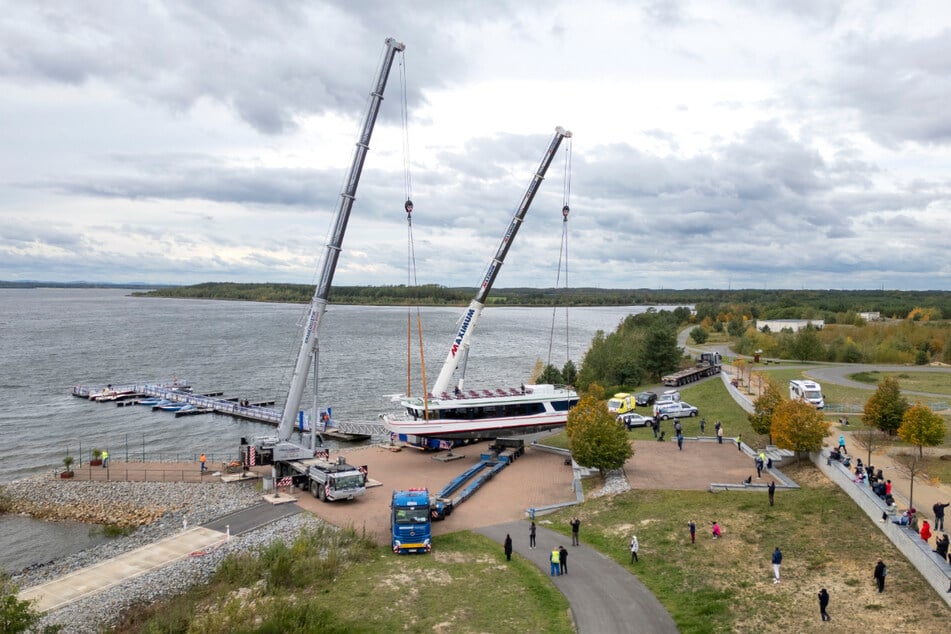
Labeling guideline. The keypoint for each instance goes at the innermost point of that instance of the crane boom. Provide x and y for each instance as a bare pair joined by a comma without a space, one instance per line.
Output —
318,304
459,349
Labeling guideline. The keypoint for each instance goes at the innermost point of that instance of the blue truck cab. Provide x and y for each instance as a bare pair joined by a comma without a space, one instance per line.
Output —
411,521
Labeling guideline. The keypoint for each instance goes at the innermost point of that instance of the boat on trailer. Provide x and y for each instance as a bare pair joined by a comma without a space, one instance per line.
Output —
459,415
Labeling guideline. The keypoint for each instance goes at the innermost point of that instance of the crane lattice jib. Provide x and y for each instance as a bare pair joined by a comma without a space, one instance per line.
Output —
460,342
332,253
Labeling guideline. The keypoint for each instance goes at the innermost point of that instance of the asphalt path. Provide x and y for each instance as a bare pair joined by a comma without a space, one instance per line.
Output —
252,517
605,597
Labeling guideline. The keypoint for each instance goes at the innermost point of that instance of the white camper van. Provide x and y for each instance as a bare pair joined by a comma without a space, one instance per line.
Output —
808,391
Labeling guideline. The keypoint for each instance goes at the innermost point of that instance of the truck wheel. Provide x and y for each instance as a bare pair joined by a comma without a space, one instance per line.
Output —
314,489
320,493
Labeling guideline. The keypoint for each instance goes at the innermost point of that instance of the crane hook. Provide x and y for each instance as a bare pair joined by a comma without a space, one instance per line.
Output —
408,206
564,212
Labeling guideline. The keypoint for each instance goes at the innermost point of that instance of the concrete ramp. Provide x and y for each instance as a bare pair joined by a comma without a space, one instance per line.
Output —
112,572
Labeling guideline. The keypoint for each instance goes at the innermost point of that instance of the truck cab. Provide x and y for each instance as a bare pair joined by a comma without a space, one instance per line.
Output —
808,391
621,403
411,521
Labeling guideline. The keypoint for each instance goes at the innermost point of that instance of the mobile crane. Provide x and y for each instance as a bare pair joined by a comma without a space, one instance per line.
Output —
287,458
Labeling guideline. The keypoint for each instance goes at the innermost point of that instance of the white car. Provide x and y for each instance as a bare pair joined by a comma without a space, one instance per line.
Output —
675,410
634,420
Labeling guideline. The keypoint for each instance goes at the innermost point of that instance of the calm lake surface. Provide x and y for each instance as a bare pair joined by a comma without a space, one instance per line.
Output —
53,339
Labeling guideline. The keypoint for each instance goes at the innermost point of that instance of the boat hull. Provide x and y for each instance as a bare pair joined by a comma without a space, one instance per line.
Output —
539,408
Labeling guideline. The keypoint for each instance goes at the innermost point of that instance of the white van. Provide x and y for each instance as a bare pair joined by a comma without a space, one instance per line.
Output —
808,391
668,396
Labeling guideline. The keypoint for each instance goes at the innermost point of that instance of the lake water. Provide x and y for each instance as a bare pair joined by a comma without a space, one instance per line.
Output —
53,339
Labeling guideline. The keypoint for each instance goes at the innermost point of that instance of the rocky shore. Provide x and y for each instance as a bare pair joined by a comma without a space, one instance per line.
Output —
158,509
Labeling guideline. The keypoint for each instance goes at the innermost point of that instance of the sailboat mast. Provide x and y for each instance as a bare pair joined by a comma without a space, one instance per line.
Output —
460,343
318,304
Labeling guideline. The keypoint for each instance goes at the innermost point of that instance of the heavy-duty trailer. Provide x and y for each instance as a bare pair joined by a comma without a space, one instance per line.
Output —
412,511
708,365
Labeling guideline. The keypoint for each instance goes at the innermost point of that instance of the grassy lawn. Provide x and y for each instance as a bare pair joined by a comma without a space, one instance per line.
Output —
934,382
726,585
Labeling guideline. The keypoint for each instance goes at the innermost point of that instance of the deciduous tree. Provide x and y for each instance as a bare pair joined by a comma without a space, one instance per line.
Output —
597,440
15,615
761,419
922,428
886,406
868,439
699,335
910,464
798,426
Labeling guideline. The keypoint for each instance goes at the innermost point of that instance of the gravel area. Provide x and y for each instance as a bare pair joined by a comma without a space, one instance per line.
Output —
200,503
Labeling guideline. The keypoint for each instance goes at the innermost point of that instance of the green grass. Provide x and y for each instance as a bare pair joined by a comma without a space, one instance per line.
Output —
718,585
337,581
934,382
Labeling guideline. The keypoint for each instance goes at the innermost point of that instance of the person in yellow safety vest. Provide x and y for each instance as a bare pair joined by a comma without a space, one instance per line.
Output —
555,559
105,459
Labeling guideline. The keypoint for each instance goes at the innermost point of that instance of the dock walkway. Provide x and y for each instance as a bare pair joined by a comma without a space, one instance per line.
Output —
179,392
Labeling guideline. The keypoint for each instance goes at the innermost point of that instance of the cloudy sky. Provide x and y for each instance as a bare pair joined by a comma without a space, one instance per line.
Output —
756,144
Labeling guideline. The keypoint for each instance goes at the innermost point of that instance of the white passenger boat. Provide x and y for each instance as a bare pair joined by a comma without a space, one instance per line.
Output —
454,414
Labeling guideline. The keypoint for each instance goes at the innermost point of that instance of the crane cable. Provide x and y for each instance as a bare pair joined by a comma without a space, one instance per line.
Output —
563,255
410,247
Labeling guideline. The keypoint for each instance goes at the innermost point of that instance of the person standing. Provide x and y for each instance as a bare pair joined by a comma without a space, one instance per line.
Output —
634,548
938,509
879,574
508,547
772,491
563,559
105,459
703,425
555,559
719,433
759,466
739,443
692,525
777,560
680,442
531,535
842,444
202,459
823,604
575,525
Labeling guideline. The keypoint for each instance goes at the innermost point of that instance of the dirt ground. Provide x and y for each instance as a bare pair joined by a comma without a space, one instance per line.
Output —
536,479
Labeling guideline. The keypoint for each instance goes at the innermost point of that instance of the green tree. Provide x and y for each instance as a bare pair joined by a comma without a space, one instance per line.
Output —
761,419
699,335
737,326
798,426
886,406
550,374
922,428
806,345
660,353
15,615
597,440
569,373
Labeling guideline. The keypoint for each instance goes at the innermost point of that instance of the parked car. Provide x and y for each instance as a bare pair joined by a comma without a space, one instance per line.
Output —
634,420
675,410
645,398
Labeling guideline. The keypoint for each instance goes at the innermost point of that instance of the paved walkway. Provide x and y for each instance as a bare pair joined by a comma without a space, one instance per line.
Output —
604,597
112,572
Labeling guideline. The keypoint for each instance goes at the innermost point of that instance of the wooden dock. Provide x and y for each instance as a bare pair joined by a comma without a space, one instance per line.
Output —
208,403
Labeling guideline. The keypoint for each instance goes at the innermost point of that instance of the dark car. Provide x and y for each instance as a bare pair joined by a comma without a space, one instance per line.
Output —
645,398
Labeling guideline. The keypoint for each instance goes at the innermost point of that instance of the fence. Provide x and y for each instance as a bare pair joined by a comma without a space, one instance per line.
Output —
146,472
